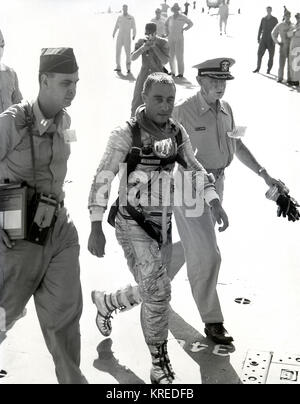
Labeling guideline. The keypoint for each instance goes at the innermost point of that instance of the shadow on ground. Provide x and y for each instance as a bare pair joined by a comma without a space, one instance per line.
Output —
213,360
283,83
129,77
107,363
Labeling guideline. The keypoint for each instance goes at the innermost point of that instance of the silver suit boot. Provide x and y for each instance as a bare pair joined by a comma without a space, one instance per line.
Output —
122,300
161,371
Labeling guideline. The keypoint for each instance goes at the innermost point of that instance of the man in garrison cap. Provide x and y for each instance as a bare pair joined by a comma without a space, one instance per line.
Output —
34,149
9,84
210,125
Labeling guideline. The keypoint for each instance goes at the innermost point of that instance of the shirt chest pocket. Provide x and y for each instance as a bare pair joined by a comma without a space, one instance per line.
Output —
23,152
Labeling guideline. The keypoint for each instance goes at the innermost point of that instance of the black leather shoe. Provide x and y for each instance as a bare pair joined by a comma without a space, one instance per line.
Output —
256,71
268,71
217,333
279,81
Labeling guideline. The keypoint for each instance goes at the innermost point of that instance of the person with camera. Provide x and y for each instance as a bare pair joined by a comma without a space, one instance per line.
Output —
9,85
155,54
34,150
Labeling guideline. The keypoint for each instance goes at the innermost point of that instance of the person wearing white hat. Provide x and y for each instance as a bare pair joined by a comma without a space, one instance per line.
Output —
209,122
9,85
175,27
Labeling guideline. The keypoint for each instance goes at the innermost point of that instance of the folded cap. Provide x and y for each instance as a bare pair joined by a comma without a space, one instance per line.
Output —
58,60
216,68
2,42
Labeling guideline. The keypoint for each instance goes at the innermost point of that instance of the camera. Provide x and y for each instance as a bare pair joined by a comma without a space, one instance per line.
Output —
41,218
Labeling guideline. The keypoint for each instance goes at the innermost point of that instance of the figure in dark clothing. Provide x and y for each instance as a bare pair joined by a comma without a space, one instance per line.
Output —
265,40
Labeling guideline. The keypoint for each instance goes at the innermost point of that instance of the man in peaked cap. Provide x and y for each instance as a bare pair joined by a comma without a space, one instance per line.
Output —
9,84
48,271
209,122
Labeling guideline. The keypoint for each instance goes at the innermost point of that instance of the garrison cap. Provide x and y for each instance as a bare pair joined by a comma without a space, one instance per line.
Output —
216,68
2,42
58,60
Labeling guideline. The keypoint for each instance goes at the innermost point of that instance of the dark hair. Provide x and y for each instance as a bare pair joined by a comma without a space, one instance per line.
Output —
151,27
45,73
157,78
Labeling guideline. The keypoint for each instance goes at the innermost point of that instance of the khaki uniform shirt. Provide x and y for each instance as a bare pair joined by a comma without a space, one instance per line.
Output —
207,130
51,151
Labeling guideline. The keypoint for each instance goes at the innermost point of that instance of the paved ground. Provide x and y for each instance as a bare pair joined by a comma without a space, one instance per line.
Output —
261,258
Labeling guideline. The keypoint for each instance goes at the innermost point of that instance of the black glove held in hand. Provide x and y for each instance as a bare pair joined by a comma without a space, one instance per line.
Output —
287,207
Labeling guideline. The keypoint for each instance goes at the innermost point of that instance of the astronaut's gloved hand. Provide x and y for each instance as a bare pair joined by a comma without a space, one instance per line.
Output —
287,206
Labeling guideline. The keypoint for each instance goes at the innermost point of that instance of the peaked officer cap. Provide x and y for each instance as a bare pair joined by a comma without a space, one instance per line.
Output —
58,60
216,68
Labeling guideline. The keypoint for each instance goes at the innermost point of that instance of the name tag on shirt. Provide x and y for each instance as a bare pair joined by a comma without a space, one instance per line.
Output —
200,129
70,136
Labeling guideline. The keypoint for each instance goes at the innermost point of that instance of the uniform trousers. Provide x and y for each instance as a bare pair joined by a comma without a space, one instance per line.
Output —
50,274
176,52
123,41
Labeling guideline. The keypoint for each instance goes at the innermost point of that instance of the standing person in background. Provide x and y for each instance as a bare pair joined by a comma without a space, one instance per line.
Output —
186,8
125,24
265,40
281,30
160,23
194,5
155,54
9,85
294,35
164,9
223,13
175,27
